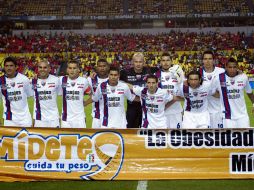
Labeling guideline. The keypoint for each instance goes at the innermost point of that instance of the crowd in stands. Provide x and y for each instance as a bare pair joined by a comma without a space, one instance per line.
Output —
186,49
173,41
120,7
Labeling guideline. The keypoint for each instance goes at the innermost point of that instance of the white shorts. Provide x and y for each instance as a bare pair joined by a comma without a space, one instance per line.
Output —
81,123
174,121
21,123
216,120
51,124
196,120
96,123
243,122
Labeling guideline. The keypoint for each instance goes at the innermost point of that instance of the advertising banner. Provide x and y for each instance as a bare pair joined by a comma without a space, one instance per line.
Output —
88,154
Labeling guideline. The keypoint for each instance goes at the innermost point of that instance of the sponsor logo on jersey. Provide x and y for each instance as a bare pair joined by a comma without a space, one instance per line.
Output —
195,93
209,77
73,84
43,83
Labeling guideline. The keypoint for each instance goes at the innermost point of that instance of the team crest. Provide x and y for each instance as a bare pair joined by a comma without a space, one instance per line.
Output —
138,77
195,93
167,78
209,77
43,83
152,98
73,84
12,84
113,90
232,82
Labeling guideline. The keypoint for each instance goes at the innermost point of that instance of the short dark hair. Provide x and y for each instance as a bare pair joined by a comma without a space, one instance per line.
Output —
10,59
208,52
102,60
231,60
114,68
166,54
74,62
195,72
151,76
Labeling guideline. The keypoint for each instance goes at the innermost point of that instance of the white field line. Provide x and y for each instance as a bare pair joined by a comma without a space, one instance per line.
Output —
142,185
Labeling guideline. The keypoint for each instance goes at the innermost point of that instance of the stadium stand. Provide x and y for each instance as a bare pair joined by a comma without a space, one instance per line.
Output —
61,7
155,7
119,7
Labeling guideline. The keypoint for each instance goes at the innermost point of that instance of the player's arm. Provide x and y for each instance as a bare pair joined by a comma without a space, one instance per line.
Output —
175,99
214,88
249,93
129,95
130,86
28,88
216,94
96,96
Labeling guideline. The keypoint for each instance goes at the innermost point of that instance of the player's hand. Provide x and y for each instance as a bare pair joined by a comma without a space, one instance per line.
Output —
185,83
92,74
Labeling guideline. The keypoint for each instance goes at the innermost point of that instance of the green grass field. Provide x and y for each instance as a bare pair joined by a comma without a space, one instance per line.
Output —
131,185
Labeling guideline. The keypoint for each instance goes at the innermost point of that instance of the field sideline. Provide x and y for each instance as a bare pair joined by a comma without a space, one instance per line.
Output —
131,185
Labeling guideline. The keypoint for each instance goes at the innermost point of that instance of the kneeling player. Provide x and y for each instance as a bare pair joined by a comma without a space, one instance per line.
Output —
153,101
196,95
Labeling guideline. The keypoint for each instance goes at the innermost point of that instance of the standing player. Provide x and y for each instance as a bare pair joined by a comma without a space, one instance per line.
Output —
15,89
196,95
136,76
153,101
46,88
231,86
102,68
113,93
209,72
73,88
169,78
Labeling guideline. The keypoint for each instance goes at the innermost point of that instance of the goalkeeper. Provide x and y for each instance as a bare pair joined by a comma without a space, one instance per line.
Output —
169,77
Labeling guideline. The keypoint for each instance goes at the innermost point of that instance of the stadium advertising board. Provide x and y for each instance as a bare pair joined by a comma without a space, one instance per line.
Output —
53,154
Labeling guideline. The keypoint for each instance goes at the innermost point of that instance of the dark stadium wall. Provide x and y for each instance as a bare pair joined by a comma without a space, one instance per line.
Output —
247,30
